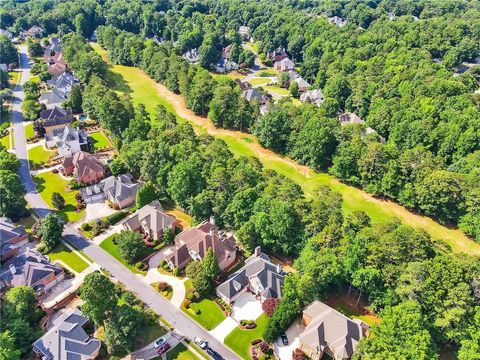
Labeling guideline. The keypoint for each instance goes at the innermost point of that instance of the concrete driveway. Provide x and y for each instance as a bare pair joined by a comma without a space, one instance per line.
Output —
149,351
246,307
224,328
97,210
159,256
284,352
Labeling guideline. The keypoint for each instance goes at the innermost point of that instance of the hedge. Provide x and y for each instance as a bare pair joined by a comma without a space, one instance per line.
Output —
116,217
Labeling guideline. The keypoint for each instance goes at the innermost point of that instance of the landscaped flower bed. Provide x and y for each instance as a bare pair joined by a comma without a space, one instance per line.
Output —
247,324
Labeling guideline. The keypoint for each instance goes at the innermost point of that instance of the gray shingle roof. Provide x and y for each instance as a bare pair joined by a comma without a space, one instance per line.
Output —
152,216
9,230
67,340
116,188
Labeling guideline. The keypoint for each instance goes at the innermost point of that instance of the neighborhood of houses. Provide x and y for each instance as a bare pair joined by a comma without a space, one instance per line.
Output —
247,282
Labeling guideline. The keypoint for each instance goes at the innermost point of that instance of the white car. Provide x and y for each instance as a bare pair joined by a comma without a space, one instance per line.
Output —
159,342
200,342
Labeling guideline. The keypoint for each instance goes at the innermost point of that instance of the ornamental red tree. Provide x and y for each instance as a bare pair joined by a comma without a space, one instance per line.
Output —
269,306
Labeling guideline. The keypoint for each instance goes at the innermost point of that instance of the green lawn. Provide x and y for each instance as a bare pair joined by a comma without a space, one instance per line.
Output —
210,313
112,249
277,90
63,253
259,81
13,77
239,340
100,141
48,183
5,141
38,156
143,89
149,334
180,352
29,132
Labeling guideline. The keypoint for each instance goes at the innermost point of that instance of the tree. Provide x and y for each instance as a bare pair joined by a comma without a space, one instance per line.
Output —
58,201
8,349
207,52
273,130
210,265
22,302
75,99
470,346
130,245
146,194
168,236
402,334
31,110
99,296
200,92
50,231
8,52
204,272
122,329
269,305
12,194
34,48
293,89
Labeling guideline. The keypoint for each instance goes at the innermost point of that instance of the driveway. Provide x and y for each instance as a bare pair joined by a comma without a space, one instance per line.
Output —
284,352
97,210
178,287
223,329
159,256
149,351
246,307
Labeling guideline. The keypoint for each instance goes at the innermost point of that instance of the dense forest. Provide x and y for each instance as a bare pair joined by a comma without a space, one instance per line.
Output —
397,74
383,70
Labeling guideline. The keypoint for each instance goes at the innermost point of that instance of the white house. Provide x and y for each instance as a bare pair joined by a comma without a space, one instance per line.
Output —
284,65
68,141
313,96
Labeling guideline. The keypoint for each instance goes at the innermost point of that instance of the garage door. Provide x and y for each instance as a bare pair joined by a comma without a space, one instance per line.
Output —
94,198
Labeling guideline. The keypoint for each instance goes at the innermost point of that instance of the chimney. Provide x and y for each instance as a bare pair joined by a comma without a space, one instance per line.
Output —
212,232
279,268
257,251
212,220
13,269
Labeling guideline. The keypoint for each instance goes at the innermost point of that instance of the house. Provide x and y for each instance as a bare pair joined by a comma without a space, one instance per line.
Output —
86,168
192,244
11,238
57,67
284,65
352,118
151,221
33,269
63,82
312,96
158,39
67,339
52,99
68,141
253,95
223,65
277,55
227,52
303,85
336,20
259,275
244,32
55,118
52,50
35,31
119,190
329,331
191,56
243,85
6,33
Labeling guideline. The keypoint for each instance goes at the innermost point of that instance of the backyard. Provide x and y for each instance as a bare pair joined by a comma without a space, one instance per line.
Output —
143,89
48,183
100,141
210,313
5,141
239,340
38,156
66,255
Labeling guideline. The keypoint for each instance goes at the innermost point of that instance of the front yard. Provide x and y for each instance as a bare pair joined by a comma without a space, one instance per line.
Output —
210,314
48,183
239,340
38,156
180,352
66,255
113,250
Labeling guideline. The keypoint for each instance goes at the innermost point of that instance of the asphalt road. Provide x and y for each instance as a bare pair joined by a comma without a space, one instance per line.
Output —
183,324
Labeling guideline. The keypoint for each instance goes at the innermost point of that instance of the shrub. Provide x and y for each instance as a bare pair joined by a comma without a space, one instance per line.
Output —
298,354
163,286
58,201
139,265
42,249
264,347
163,263
75,185
86,227
186,303
191,296
116,217
176,271
256,341
269,306
55,171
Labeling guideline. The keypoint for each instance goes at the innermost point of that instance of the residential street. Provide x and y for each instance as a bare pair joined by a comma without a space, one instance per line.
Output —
183,324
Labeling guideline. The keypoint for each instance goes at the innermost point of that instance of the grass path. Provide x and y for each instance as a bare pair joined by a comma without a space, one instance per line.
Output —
147,91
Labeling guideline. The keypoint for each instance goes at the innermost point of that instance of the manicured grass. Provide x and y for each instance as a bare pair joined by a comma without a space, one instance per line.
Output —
210,313
259,81
48,183
277,90
29,132
148,335
143,90
5,141
112,249
66,255
351,313
180,352
100,141
38,155
13,77
239,340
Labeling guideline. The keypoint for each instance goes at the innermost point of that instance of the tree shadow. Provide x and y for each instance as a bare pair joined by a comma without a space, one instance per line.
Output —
116,82
39,183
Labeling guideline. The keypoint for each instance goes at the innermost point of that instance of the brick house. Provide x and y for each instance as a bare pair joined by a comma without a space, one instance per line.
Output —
11,238
86,168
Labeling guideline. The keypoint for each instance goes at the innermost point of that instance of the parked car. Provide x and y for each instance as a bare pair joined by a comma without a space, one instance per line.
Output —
200,342
163,349
214,354
284,339
159,342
